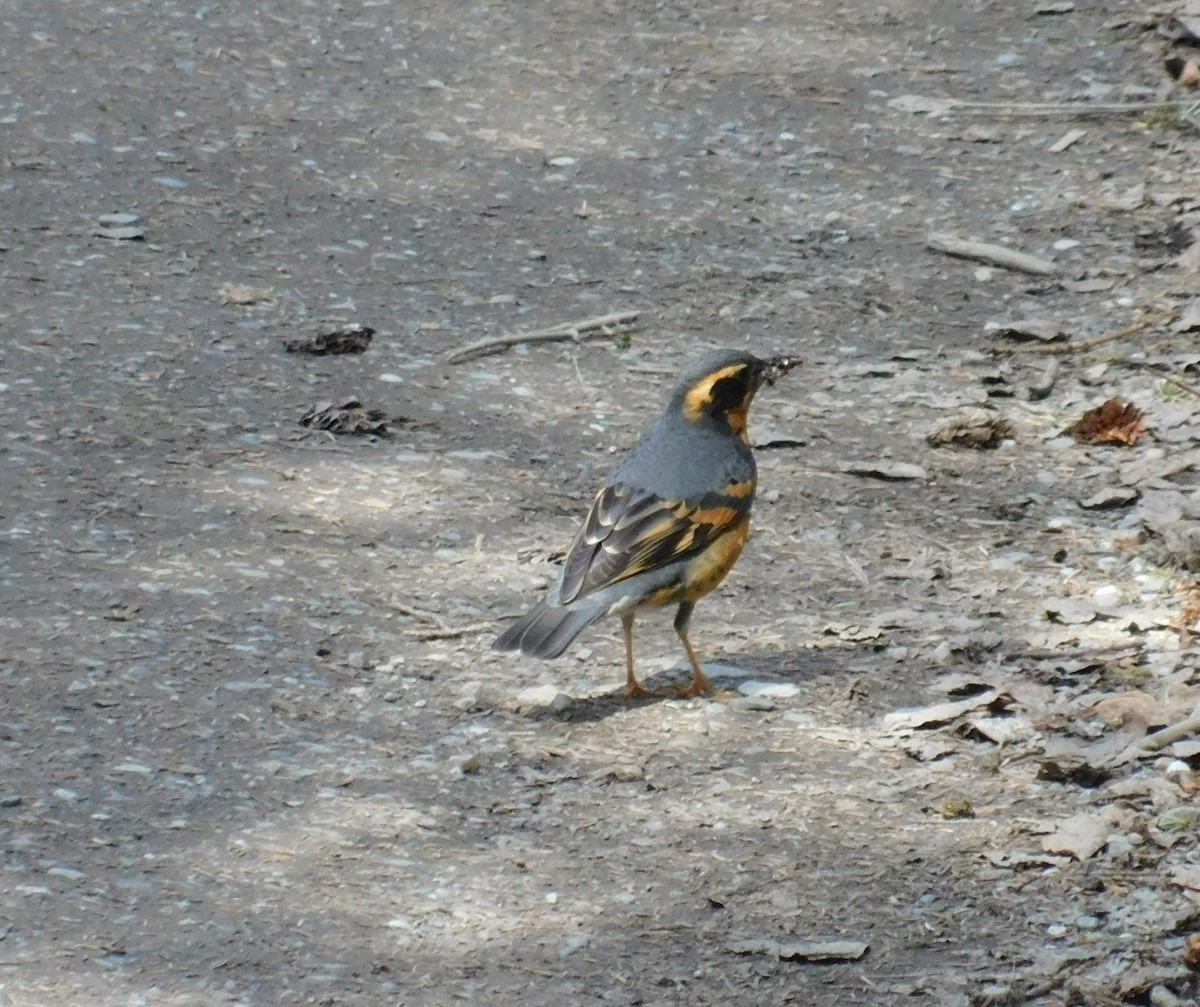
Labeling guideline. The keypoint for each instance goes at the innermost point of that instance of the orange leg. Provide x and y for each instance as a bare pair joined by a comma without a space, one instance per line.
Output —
633,689
700,682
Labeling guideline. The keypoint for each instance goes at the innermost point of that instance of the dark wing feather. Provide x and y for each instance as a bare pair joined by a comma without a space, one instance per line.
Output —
629,531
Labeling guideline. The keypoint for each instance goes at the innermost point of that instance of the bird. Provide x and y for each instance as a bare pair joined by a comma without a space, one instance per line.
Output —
669,522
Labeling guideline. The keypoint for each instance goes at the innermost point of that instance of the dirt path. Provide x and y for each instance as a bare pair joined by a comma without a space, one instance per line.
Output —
254,748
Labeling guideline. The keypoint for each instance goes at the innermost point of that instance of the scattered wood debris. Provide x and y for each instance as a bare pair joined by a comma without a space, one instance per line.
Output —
971,428
354,338
1113,422
807,950
347,417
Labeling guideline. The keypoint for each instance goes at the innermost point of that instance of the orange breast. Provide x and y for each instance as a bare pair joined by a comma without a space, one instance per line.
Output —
708,569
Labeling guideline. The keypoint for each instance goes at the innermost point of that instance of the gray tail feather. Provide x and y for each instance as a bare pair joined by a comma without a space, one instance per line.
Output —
547,630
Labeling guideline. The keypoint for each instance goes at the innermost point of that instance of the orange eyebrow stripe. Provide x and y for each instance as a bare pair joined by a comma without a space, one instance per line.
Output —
700,394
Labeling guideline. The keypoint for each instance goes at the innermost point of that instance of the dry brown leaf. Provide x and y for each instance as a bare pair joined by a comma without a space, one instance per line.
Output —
1114,422
240,293
1191,952
1082,835
899,721
1132,709
1189,615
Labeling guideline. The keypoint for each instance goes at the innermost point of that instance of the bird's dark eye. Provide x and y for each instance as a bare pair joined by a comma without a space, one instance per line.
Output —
728,393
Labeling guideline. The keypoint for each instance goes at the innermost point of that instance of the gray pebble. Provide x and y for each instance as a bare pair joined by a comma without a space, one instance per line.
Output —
761,704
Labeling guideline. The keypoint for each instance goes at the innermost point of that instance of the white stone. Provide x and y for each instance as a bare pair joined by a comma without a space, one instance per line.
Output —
771,690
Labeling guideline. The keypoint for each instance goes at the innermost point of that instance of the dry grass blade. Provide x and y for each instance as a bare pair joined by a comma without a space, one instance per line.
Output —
599,325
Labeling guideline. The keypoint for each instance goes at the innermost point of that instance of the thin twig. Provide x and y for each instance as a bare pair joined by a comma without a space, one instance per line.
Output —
1159,740
1178,383
995,255
1062,107
1090,344
598,325
419,614
452,632
1058,654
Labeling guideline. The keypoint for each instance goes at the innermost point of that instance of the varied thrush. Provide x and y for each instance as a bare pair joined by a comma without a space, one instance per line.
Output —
670,521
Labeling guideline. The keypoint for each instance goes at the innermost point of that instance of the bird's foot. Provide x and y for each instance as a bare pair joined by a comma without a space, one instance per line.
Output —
700,686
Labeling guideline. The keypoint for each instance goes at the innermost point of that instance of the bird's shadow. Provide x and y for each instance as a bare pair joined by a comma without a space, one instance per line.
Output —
666,686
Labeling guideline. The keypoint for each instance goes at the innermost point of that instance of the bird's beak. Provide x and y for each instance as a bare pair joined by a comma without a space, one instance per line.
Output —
777,367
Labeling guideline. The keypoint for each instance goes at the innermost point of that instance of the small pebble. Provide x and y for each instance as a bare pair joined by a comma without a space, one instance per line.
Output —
955,805
132,767
1088,923
761,704
573,944
1117,844
537,695
1056,930
70,873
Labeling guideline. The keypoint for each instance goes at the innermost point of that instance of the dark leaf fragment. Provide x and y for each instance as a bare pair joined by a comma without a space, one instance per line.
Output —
347,339
1114,422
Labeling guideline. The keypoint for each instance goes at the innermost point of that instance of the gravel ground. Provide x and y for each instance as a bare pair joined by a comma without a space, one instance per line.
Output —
254,747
